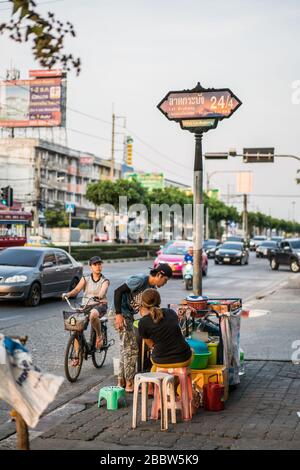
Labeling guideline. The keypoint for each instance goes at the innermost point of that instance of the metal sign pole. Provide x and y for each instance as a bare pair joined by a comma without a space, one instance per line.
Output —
70,230
198,219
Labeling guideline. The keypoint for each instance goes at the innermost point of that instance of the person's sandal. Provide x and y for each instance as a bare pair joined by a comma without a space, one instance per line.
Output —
129,387
75,362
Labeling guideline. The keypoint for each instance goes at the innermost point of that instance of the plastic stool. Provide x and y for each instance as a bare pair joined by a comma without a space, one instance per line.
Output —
184,402
112,395
157,379
169,403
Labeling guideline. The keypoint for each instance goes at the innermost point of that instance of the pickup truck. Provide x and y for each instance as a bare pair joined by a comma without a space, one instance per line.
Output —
287,254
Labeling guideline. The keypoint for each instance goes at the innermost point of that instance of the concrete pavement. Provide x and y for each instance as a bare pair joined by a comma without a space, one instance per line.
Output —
270,336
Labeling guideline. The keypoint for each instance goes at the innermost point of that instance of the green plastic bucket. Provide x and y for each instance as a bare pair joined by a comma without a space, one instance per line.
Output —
200,361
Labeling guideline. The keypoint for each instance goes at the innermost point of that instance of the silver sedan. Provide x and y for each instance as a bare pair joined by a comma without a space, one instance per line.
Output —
31,274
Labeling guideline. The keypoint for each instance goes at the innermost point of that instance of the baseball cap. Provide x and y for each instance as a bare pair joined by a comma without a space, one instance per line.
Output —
164,269
95,259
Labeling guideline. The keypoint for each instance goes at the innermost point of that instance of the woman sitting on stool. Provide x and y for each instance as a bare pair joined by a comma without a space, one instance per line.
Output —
159,327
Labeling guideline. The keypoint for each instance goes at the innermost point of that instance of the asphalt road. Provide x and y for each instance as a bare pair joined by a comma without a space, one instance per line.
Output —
44,324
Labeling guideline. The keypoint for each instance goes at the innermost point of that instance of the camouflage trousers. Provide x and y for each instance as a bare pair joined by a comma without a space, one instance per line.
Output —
128,352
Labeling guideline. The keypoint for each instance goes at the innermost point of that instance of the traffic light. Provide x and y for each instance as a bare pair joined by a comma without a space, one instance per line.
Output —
7,196
129,151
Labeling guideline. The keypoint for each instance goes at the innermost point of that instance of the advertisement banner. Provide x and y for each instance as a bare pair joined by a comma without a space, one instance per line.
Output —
38,102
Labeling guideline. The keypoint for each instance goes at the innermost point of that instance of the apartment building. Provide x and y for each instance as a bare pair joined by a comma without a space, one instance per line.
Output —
43,173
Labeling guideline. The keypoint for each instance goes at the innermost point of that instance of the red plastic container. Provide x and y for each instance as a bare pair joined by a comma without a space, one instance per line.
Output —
213,395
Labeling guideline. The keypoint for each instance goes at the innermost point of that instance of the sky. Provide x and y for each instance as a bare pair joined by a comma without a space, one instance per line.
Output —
134,52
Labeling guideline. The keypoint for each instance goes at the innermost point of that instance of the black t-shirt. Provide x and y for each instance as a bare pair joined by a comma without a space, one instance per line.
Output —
170,346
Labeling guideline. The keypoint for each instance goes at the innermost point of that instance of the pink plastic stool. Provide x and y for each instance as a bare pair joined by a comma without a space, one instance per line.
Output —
184,403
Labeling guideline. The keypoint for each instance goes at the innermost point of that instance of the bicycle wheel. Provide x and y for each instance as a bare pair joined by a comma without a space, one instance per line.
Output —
73,351
99,355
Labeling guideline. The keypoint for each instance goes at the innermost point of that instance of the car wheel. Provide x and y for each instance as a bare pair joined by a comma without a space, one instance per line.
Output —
34,296
216,262
294,266
274,265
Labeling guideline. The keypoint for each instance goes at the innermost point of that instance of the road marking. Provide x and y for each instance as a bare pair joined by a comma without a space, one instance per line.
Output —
8,318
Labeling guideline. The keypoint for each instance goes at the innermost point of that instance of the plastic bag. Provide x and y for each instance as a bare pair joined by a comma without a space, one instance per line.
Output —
23,385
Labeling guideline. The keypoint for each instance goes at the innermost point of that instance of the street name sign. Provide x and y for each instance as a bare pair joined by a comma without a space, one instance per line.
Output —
199,108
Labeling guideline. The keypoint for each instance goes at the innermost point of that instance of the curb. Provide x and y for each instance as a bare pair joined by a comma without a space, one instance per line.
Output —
121,260
263,294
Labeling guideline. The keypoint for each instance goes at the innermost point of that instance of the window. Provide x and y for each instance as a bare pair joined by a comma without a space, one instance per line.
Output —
62,258
49,258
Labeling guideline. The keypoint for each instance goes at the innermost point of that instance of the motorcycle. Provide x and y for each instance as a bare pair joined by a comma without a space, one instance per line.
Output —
188,272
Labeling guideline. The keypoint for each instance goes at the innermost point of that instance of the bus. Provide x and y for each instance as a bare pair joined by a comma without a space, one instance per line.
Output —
13,228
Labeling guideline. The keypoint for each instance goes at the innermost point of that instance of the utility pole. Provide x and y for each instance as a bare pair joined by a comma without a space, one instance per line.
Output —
112,163
245,217
207,209
198,219
70,231
37,192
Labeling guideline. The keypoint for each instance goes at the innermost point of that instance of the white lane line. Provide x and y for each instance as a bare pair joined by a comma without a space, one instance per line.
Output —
8,318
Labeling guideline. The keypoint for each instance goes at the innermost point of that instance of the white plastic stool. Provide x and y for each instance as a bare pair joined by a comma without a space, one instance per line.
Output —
165,386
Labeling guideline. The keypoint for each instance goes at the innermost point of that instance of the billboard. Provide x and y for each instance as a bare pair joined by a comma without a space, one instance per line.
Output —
37,102
148,180
244,182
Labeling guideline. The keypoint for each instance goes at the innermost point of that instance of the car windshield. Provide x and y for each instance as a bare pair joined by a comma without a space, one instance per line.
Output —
295,244
175,250
270,244
208,243
27,258
232,246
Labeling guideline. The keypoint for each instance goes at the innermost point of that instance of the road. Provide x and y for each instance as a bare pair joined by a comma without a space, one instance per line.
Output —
47,338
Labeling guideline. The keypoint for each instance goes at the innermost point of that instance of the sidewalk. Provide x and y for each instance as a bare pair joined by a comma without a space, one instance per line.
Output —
260,414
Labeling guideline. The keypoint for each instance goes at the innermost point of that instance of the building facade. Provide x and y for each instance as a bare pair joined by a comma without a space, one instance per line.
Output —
42,173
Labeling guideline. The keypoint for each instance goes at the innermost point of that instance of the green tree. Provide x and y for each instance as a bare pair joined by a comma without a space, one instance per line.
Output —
108,192
47,33
56,216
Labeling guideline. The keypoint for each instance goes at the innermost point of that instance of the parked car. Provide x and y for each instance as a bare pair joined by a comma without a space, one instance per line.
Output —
256,241
276,239
232,253
33,273
210,246
287,254
173,255
262,251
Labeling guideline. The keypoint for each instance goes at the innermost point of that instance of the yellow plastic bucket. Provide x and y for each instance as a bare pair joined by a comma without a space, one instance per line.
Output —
213,358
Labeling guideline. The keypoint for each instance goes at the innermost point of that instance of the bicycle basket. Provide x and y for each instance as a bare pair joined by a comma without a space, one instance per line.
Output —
75,321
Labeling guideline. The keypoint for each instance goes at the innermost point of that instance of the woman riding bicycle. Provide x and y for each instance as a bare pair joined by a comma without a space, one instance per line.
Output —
95,285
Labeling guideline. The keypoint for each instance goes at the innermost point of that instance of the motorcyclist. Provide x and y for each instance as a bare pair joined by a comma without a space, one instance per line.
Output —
189,256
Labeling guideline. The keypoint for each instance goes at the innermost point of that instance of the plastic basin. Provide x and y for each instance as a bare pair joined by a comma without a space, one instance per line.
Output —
199,347
200,361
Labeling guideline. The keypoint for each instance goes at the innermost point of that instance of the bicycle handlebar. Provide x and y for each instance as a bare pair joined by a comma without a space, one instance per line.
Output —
84,306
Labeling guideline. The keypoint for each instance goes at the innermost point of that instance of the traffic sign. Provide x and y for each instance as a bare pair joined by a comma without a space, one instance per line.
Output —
70,207
199,103
258,155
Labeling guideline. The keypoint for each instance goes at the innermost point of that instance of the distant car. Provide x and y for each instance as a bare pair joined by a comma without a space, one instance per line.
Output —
232,253
32,273
264,248
210,246
287,254
256,241
37,241
276,239
173,255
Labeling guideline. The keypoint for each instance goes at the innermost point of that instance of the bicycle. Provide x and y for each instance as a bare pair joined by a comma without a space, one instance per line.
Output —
78,348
